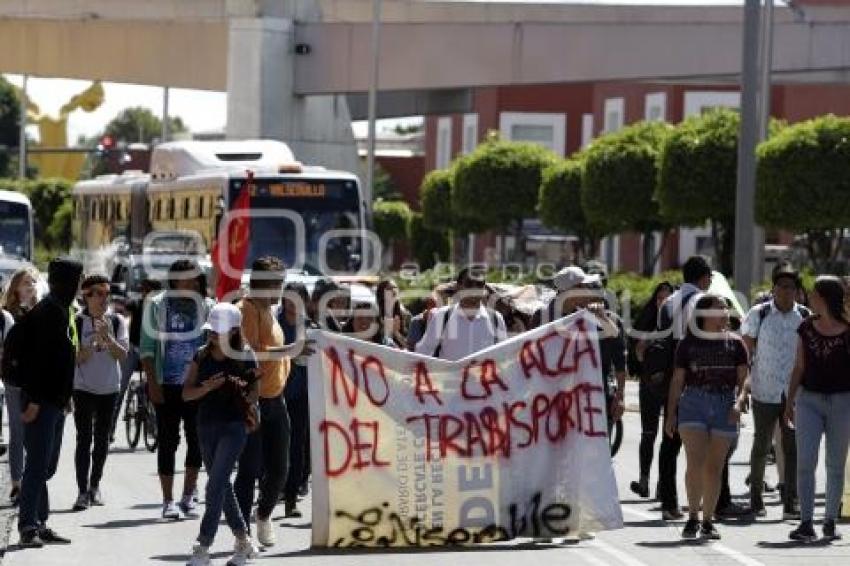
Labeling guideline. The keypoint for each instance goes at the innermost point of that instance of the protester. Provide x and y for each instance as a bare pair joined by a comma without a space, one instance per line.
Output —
704,407
391,313
660,358
819,404
266,454
652,388
770,333
103,346
329,305
131,363
455,331
366,324
21,296
224,386
293,319
47,382
419,322
171,334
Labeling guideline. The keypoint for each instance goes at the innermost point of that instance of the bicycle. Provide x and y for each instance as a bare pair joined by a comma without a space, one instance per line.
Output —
140,416
615,428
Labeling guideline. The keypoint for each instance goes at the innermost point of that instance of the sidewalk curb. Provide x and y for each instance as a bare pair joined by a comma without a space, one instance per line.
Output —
8,513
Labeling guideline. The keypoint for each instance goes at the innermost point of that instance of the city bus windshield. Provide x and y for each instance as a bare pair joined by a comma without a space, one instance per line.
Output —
321,206
15,229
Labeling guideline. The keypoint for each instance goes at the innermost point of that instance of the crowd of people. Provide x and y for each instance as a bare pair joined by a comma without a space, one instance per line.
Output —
233,377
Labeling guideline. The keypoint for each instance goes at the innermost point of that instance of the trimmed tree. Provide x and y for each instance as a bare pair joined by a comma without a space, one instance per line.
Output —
619,182
804,185
390,219
498,184
426,245
559,205
698,177
438,211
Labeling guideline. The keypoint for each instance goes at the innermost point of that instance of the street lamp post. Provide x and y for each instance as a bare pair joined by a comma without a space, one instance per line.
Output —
747,254
373,97
22,135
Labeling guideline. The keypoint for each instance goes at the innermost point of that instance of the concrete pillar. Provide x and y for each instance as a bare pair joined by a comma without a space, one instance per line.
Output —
261,102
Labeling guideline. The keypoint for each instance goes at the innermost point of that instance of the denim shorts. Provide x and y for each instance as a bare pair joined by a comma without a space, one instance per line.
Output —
708,411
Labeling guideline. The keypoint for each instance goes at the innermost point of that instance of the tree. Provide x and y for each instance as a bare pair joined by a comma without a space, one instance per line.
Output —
384,187
559,205
619,181
698,177
390,219
48,197
804,184
10,116
139,124
427,246
498,184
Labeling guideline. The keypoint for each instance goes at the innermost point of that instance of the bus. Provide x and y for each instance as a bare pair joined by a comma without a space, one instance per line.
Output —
312,218
16,226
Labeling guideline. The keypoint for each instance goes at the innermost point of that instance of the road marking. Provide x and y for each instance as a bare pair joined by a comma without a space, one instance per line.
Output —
623,558
739,557
590,558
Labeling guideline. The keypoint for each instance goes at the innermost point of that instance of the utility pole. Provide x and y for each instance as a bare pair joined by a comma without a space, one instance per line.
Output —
22,136
747,254
373,98
165,133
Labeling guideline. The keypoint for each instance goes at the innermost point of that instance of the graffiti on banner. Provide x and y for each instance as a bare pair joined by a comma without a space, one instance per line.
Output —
413,451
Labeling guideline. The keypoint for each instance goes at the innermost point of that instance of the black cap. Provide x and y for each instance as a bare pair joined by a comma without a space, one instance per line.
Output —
786,270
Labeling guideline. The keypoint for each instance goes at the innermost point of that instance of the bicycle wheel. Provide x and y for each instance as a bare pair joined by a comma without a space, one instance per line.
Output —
149,425
615,436
131,418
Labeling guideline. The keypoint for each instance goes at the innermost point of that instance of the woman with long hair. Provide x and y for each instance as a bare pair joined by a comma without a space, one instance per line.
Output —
20,297
705,404
392,313
365,324
652,388
222,379
819,404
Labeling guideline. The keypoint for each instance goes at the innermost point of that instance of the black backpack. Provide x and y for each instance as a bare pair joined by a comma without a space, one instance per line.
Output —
16,353
659,357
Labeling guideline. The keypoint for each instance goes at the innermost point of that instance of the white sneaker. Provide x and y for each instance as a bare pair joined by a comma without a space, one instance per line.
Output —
265,532
170,511
243,552
200,556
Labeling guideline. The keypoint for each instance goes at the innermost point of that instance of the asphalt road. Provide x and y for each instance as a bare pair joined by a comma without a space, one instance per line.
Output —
129,531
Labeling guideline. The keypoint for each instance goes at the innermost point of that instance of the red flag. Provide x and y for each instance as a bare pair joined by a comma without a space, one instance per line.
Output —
230,249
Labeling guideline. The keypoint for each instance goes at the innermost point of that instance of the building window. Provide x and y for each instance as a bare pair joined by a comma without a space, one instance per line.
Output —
548,130
655,109
615,110
444,142
699,101
470,132
586,129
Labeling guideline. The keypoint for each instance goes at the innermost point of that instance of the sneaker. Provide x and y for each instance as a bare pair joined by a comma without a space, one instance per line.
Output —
732,511
30,539
691,529
95,497
708,531
829,532
82,502
247,547
188,506
49,536
170,511
640,488
790,513
673,514
805,533
265,532
200,556
291,510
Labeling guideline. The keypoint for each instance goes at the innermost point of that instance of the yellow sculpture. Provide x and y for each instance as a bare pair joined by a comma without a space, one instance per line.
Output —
54,134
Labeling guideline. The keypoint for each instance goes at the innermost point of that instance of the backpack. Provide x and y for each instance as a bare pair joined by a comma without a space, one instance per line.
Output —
438,350
659,357
765,308
16,353
116,324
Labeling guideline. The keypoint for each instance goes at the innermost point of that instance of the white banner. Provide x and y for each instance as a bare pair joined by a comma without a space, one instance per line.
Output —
510,442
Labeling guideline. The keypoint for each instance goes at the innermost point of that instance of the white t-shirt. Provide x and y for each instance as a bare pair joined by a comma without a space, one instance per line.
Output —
463,335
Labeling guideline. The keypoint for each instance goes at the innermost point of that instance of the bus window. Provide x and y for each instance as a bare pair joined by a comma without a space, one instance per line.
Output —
185,213
93,209
170,209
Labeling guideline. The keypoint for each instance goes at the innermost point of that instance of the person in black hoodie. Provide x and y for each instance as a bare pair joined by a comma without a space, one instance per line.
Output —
45,398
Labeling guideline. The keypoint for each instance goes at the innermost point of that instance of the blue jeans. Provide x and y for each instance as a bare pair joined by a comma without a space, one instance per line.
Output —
221,444
43,442
818,414
16,433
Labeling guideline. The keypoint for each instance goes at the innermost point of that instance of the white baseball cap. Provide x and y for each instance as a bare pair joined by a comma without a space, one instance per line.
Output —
571,276
223,318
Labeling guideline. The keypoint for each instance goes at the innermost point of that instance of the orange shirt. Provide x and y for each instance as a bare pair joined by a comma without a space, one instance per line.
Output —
261,331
